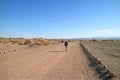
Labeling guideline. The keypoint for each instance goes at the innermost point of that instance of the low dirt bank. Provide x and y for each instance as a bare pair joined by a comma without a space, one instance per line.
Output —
108,52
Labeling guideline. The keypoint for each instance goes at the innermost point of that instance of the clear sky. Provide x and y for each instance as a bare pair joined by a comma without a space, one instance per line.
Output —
59,18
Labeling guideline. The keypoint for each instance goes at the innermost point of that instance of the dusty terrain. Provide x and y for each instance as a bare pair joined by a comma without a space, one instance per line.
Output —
49,62
108,52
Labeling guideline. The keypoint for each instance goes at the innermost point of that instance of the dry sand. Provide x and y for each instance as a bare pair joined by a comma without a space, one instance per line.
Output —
108,52
46,63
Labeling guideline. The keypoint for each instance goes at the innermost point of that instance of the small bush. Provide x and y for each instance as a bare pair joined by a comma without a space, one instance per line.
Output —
69,40
43,41
38,43
62,41
6,40
27,41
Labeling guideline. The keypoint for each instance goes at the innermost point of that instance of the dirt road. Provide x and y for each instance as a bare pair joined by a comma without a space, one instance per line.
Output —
46,63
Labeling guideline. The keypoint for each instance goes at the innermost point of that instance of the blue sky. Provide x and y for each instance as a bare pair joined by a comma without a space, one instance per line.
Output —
59,18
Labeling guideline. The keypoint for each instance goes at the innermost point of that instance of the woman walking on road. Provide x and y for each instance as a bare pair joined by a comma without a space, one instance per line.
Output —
65,44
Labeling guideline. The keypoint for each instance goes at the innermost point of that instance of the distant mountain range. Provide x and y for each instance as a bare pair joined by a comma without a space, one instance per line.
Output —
98,38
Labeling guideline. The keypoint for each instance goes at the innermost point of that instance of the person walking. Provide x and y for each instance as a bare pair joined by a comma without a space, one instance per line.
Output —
66,45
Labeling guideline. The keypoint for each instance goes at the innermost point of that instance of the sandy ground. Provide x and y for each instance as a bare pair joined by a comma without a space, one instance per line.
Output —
46,63
108,52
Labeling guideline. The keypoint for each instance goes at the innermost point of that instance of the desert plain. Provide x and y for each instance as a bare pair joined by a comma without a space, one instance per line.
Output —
41,59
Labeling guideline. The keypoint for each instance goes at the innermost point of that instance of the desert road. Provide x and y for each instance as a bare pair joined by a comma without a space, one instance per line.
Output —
50,62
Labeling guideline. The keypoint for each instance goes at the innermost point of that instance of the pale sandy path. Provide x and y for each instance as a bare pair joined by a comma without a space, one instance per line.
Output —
46,63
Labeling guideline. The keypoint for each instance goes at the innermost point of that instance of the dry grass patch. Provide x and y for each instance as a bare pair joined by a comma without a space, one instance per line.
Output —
43,41
38,43
2,40
22,41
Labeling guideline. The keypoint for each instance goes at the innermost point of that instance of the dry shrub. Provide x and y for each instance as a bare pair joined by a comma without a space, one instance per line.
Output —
32,40
22,41
19,41
12,41
43,41
27,41
69,40
4,40
62,41
38,43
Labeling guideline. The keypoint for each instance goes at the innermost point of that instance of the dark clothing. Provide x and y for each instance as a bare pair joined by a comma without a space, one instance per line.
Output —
66,43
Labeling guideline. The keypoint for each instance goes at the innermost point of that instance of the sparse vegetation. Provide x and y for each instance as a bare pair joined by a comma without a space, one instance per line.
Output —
43,41
61,41
22,41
